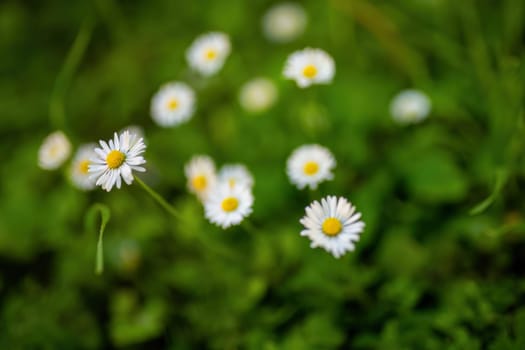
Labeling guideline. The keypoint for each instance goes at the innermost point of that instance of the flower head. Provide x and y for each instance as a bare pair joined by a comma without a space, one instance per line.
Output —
137,130
208,52
228,205
54,151
236,175
284,22
258,95
173,104
201,176
310,66
115,160
333,225
410,106
310,165
79,172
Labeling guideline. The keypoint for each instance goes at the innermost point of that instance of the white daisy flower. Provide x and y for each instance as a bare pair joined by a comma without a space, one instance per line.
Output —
79,171
284,22
54,151
410,106
236,174
116,159
173,104
208,52
310,66
258,95
137,130
310,165
228,205
201,176
333,225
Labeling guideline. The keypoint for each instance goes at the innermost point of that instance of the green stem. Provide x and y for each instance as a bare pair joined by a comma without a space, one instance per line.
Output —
57,113
158,198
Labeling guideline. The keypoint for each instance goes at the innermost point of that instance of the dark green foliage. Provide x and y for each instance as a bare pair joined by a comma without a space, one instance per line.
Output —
426,273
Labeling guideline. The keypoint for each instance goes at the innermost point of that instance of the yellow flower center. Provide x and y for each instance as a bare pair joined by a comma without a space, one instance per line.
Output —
311,168
199,182
310,71
230,204
173,104
210,54
115,159
332,227
54,150
83,166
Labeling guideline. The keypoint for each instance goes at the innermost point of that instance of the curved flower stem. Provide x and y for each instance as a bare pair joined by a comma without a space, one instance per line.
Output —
158,198
57,112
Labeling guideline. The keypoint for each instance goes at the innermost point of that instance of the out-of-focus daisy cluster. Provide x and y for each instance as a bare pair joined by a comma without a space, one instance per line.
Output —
226,195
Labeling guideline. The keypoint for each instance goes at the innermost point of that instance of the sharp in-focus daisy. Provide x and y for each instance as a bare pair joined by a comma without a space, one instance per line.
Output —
201,175
410,107
310,66
236,175
173,104
258,95
310,165
208,52
54,151
115,160
80,176
284,22
228,205
333,225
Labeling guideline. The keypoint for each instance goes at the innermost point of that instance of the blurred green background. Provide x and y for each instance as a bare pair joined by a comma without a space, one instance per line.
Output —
426,274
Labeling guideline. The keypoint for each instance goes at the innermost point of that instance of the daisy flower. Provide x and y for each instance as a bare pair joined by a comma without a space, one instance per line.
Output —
310,66
200,172
137,130
236,174
116,159
310,165
333,225
54,151
228,205
284,22
173,104
410,106
208,52
79,171
258,95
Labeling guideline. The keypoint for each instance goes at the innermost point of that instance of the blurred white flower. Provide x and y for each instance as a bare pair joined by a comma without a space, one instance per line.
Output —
284,22
310,165
116,159
333,225
54,151
79,171
136,130
236,175
410,107
258,95
208,52
228,205
310,66
201,176
173,104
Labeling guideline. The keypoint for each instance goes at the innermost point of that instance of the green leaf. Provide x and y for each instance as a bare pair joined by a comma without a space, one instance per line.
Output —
90,225
434,176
